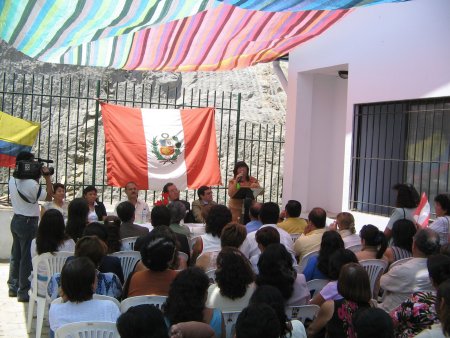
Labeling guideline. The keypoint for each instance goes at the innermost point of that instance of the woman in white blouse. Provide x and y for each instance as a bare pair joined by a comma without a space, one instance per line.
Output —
58,203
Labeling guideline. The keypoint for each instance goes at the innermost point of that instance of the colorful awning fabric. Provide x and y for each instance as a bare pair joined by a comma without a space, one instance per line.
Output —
166,35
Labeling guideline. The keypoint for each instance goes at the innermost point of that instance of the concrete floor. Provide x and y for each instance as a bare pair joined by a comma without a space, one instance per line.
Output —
13,315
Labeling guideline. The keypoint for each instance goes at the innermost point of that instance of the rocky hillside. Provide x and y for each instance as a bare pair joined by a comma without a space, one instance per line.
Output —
263,101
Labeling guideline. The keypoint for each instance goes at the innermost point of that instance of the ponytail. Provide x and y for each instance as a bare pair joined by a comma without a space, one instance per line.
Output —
382,242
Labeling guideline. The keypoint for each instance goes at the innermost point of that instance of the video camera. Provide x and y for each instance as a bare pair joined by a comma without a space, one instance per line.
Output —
32,169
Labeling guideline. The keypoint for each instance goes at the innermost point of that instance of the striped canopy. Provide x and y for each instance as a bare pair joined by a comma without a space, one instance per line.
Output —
166,35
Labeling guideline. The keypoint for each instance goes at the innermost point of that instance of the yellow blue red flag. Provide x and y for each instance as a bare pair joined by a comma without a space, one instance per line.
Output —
16,135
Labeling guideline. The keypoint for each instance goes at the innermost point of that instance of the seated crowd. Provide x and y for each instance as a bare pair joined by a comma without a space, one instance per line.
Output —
260,269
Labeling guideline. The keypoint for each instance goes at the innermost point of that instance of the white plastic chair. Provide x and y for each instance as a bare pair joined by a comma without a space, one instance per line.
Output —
294,237
158,301
230,318
88,330
59,300
305,260
375,268
53,264
212,276
399,262
128,260
355,248
316,285
302,312
128,243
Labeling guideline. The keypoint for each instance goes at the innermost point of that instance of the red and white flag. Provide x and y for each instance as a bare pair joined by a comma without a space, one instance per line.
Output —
422,213
152,147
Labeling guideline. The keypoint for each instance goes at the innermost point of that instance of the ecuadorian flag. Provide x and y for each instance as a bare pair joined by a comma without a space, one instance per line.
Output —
16,135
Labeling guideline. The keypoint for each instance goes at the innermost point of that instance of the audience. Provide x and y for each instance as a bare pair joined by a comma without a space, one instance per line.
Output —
108,263
253,213
271,296
233,235
418,312
373,323
345,224
177,213
113,242
336,315
97,210
317,267
276,269
92,247
77,288
142,321
219,216
311,238
403,232
269,217
256,321
50,238
373,243
234,283
406,203
186,301
264,237
160,217
402,280
77,218
442,223
442,329
293,224
157,255
337,260
125,211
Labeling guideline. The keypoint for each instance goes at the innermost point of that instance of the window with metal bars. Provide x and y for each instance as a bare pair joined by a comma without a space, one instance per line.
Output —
399,142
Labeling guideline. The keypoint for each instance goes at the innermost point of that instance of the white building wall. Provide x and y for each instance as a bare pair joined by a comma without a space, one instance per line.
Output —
392,52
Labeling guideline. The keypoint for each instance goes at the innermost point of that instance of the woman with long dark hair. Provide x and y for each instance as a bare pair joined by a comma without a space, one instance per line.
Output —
78,212
186,301
403,233
234,281
317,267
276,269
51,237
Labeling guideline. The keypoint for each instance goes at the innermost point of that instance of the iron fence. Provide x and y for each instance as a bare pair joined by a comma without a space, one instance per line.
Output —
399,142
72,130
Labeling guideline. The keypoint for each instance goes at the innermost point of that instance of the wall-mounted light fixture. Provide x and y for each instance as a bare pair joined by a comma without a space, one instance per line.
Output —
343,74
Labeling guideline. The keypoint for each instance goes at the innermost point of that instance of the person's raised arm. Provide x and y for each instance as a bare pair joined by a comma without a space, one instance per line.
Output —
48,183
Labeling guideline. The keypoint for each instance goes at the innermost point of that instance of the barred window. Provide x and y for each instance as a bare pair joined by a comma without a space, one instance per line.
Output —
399,142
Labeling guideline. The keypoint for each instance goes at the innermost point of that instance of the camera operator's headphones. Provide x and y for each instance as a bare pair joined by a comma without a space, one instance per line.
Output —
25,198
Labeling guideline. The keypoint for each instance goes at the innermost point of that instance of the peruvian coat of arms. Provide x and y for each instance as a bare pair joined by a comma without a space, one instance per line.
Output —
166,148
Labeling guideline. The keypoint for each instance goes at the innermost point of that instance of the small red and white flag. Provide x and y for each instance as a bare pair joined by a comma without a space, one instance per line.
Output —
422,213
152,147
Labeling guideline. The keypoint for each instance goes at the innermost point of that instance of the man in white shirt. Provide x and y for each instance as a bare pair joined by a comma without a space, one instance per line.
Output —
268,215
412,276
25,192
142,210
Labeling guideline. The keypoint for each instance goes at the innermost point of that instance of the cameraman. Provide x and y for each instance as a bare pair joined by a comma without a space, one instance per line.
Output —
25,194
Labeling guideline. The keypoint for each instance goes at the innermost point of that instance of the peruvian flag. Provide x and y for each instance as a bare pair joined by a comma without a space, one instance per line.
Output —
152,147
422,213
